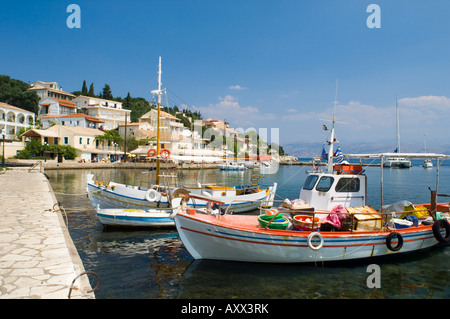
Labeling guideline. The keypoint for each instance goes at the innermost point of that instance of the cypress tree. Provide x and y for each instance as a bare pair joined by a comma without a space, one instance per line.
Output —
84,90
91,90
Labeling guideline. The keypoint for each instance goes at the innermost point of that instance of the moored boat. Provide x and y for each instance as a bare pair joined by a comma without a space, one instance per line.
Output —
158,195
239,238
349,230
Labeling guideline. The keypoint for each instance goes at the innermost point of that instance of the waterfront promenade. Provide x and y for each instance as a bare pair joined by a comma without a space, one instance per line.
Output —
38,259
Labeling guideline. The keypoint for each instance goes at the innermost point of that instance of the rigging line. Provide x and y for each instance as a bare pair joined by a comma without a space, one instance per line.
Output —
178,97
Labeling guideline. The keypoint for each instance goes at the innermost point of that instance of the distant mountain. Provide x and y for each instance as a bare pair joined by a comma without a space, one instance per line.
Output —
315,149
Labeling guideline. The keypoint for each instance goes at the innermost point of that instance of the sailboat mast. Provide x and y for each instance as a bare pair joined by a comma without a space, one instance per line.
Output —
398,125
158,136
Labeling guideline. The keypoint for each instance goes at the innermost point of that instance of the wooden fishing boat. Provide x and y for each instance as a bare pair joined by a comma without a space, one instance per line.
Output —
159,195
366,233
240,238
135,217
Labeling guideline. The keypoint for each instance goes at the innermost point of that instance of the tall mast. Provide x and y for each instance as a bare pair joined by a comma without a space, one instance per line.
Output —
398,125
331,142
158,92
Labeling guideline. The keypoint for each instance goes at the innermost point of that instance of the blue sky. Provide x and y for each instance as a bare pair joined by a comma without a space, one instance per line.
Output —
269,64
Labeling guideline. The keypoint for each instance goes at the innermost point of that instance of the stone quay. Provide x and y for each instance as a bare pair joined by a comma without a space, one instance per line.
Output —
38,259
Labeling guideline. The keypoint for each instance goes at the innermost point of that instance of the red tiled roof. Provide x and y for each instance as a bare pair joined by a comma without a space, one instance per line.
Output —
65,102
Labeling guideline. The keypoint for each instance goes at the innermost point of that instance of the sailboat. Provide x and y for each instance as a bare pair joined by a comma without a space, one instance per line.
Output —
161,195
397,162
427,163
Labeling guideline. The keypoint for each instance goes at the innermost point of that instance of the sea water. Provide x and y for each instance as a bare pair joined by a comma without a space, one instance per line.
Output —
154,263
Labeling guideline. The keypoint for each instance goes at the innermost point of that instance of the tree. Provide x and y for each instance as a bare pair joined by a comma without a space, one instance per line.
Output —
91,90
84,90
106,93
15,92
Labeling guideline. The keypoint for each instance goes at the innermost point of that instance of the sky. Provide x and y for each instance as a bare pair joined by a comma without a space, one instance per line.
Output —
271,65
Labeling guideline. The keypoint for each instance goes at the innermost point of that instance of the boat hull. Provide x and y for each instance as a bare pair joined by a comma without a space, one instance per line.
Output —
135,217
102,197
206,237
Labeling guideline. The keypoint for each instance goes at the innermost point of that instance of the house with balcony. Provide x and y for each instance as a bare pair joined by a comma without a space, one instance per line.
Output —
81,138
110,112
74,119
50,89
13,120
51,106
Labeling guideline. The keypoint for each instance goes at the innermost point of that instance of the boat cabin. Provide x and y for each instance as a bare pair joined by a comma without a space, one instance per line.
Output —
323,191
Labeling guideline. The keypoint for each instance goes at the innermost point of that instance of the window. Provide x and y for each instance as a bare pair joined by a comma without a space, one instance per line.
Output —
87,141
310,182
81,140
348,185
324,184
66,140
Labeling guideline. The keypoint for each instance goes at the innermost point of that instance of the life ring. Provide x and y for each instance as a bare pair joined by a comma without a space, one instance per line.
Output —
310,238
389,241
437,231
151,152
165,153
152,195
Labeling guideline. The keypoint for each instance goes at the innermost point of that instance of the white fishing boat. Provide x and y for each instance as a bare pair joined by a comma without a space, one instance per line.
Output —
158,196
307,236
135,217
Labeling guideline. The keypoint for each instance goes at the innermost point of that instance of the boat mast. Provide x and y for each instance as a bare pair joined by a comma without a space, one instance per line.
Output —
332,138
158,92
398,125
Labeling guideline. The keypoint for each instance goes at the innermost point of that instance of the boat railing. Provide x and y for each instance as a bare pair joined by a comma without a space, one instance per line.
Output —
302,211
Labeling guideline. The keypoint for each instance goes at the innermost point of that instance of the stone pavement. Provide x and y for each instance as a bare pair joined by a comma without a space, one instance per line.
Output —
38,259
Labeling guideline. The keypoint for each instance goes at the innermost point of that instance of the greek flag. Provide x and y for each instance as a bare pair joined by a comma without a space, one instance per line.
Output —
339,155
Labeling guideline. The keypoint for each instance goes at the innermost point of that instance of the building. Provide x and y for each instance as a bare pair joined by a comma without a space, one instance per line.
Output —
51,106
110,112
221,126
13,119
82,139
74,119
50,89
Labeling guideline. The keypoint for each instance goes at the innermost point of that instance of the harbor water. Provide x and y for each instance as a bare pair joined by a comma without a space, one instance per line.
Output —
154,263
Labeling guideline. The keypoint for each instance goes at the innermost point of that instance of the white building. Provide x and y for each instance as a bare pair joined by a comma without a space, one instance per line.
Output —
75,119
50,89
82,139
51,106
111,112
12,119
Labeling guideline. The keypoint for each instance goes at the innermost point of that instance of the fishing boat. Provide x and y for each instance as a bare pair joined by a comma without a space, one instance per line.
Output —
231,167
160,194
397,161
123,217
358,232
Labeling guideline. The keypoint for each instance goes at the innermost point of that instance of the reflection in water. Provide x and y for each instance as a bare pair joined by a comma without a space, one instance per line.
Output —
154,263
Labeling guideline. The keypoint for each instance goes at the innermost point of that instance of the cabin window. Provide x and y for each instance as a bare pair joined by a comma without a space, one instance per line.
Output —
310,182
324,184
345,185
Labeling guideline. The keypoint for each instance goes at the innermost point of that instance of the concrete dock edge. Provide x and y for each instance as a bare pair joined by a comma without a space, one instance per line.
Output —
38,259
